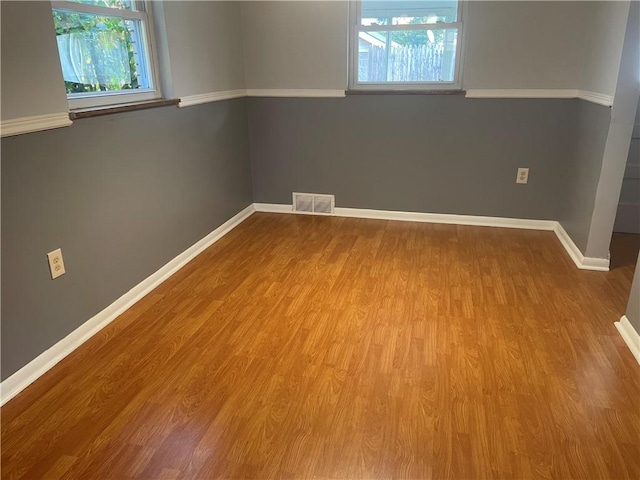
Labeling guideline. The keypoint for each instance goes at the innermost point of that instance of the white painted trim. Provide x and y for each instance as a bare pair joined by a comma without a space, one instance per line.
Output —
446,218
275,208
421,217
521,93
599,98
629,335
46,360
190,100
18,126
595,264
582,262
593,97
297,92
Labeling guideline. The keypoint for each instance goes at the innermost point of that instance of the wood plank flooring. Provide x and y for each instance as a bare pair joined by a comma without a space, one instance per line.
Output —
324,347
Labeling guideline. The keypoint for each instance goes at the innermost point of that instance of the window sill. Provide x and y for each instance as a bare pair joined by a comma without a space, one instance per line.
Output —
122,107
405,92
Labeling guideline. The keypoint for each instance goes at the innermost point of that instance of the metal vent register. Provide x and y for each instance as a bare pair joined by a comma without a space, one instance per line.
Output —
313,203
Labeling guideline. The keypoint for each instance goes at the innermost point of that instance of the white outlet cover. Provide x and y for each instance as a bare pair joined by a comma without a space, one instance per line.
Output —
523,175
56,264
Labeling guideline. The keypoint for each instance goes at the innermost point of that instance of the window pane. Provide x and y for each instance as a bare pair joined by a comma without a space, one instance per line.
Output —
407,56
408,12
374,21
100,53
119,4
421,20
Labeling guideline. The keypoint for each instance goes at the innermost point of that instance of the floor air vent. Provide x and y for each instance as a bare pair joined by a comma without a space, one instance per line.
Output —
313,203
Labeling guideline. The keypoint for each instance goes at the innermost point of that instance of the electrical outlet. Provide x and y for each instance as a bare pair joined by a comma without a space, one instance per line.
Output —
56,264
523,175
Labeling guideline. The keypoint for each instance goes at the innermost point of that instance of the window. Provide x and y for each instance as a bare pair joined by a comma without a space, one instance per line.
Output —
105,51
407,45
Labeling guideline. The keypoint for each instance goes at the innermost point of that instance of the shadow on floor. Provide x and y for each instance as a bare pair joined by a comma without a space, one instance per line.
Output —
624,250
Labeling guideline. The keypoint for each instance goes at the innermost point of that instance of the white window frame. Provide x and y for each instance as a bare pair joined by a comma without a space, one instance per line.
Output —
143,13
355,27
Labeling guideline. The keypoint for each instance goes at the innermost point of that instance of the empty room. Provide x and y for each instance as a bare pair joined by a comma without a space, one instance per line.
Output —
320,239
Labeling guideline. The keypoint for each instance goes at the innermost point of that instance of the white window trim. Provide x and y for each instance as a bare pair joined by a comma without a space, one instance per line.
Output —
144,12
355,8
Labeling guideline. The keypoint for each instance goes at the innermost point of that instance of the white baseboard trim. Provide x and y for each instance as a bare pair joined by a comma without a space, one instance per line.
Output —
629,335
295,92
582,262
275,208
599,98
190,100
446,218
421,217
18,126
17,382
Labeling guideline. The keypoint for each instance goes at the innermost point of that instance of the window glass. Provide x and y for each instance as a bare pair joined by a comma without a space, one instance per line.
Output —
99,53
105,51
408,12
407,56
400,42
119,4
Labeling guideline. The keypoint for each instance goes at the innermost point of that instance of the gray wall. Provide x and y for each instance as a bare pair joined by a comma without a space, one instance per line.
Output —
199,47
582,171
628,214
436,154
521,52
203,45
633,307
299,44
31,74
509,45
121,195
602,44
614,158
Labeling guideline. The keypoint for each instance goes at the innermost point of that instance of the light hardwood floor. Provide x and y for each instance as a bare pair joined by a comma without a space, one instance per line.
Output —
321,347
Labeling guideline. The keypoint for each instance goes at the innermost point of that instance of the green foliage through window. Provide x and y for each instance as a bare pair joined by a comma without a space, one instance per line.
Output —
119,4
97,52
